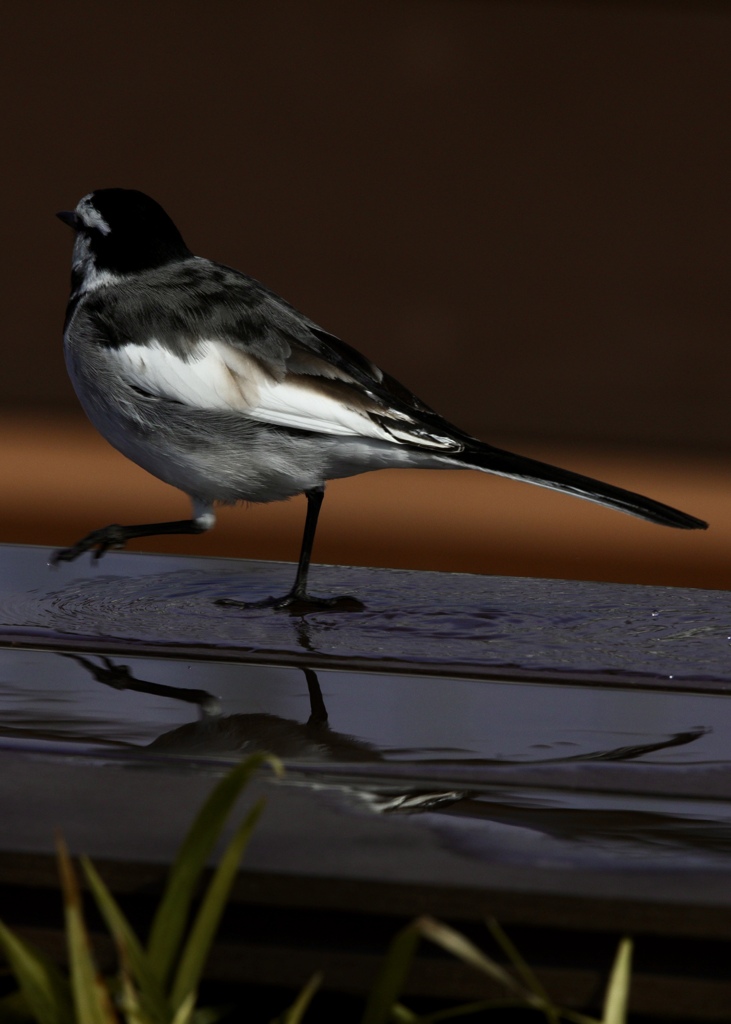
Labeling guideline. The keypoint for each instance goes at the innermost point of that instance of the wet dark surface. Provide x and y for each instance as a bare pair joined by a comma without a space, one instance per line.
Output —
623,764
430,619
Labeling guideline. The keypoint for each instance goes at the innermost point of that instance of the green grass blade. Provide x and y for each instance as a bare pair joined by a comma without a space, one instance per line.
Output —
616,998
203,930
130,997
468,1009
92,1002
295,1013
184,1013
392,976
456,944
524,971
403,1015
46,991
168,926
153,1003
209,1014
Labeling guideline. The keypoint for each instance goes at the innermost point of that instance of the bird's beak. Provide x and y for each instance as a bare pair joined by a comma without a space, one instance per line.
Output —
70,218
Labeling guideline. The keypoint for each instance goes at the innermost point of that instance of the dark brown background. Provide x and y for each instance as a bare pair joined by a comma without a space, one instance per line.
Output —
521,209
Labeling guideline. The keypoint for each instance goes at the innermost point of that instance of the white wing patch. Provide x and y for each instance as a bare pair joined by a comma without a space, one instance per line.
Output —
204,381
217,376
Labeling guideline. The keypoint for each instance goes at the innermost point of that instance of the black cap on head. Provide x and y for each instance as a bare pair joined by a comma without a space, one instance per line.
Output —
128,230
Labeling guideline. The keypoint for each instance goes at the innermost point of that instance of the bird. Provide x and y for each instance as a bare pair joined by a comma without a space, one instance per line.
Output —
216,385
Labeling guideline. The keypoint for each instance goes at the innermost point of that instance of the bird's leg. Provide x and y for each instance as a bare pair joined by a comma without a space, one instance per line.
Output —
314,503
298,600
115,536
318,711
120,678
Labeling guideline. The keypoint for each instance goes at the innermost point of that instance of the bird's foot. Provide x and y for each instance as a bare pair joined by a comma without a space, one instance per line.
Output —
117,676
98,540
298,604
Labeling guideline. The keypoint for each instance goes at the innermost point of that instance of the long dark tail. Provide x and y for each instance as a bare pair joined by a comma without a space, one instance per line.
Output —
494,460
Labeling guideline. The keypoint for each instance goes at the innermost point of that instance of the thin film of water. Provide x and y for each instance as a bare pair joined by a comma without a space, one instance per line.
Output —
449,619
549,771
395,743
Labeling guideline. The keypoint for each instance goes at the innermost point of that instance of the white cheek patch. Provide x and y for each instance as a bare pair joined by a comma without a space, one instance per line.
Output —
90,216
217,376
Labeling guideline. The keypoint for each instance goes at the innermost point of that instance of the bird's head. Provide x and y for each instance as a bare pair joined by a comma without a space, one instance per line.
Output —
120,231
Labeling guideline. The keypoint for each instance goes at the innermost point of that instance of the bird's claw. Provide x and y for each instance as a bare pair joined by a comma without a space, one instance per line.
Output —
98,542
109,672
298,604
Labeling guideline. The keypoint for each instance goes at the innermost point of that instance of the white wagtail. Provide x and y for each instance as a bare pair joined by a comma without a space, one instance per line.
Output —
216,385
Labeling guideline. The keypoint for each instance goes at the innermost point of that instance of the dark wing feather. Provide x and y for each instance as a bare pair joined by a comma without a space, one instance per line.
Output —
207,301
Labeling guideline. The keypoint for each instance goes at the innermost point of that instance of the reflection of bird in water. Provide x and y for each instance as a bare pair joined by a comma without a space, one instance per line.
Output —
598,827
215,733
119,677
482,806
242,734
312,740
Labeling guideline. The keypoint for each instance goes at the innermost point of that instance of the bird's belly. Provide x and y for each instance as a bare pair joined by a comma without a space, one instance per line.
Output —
218,463
215,455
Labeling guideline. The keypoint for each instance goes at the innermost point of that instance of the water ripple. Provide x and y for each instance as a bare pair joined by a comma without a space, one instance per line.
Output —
440,618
